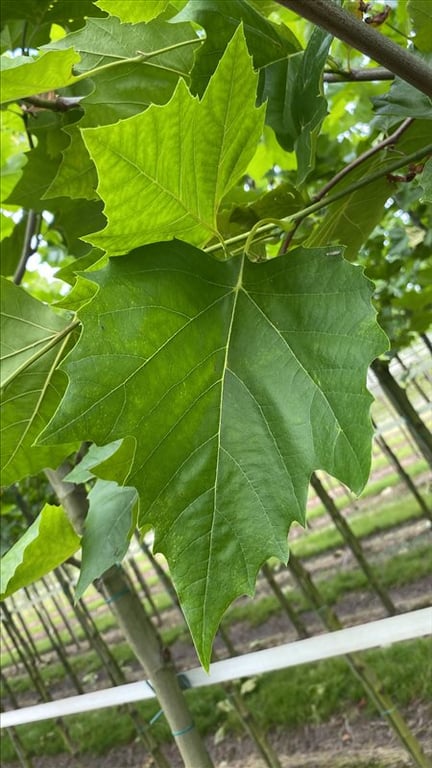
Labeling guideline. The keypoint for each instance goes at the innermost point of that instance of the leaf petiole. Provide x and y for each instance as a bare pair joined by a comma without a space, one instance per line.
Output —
261,228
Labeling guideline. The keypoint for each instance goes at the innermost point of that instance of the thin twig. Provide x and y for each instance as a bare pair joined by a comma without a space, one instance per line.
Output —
389,141
31,230
58,104
370,74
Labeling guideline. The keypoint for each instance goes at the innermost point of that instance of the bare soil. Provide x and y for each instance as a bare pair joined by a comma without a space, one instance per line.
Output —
351,741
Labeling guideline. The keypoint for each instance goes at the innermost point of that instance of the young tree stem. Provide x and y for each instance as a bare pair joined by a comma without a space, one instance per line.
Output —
139,632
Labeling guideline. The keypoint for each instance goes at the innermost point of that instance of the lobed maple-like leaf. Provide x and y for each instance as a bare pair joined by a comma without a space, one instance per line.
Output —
125,90
167,170
233,381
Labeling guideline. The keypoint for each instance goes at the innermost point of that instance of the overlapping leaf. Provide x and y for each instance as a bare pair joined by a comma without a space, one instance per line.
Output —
267,42
118,92
296,105
43,160
76,175
133,10
403,100
39,16
48,542
236,381
193,152
110,462
31,347
351,220
129,88
23,76
110,522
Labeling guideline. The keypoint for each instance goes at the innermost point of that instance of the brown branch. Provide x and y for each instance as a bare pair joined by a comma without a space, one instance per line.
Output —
363,37
389,141
58,104
370,74
31,231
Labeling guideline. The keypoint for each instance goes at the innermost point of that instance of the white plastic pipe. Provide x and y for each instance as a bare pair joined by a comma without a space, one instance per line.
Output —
376,633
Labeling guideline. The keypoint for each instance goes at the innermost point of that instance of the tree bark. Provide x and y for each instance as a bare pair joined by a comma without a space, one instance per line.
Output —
345,26
353,543
400,402
402,474
140,634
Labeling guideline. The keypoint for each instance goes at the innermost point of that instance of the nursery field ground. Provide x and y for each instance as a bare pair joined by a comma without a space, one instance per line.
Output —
326,719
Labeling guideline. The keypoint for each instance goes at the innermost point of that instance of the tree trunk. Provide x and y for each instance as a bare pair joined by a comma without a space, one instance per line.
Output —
398,397
38,681
353,543
140,634
114,671
402,474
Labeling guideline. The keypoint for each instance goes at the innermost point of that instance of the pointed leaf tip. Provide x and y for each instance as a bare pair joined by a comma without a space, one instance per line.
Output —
193,153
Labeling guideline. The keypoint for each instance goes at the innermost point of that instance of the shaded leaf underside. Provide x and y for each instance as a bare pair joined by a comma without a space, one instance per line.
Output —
235,382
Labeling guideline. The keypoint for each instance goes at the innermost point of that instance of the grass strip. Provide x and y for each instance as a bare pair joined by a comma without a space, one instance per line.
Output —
294,697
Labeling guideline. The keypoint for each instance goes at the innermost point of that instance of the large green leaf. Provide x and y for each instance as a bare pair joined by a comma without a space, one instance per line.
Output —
236,381
32,344
23,76
296,106
110,522
420,12
267,42
134,10
48,542
194,151
128,89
